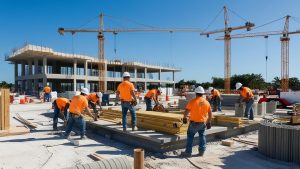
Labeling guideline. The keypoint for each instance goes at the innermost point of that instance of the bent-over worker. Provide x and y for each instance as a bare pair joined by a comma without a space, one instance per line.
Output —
95,99
61,106
47,93
125,93
77,106
151,94
215,99
200,118
246,96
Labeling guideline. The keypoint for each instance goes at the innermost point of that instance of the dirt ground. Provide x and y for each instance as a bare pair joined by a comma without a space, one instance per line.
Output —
45,149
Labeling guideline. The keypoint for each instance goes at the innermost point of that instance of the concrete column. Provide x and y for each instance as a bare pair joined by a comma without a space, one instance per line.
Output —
173,79
146,78
45,68
44,80
135,74
23,69
36,66
29,67
16,76
86,73
105,76
75,73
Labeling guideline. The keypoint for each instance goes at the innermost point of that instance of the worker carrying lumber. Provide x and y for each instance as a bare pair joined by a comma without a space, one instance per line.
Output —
78,104
95,99
246,96
152,94
47,93
215,99
61,106
200,116
125,93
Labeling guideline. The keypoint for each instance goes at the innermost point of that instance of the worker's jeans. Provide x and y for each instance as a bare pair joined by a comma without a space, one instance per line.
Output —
125,107
148,102
56,115
72,119
47,97
249,110
93,106
216,102
192,130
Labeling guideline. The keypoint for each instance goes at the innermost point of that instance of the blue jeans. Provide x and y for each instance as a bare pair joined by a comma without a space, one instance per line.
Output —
192,130
56,115
216,102
47,97
72,119
148,102
249,109
125,107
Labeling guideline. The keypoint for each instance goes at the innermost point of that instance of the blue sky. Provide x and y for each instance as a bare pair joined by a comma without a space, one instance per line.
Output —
200,58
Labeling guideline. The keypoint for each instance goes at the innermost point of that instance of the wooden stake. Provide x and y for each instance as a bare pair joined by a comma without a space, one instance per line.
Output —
138,158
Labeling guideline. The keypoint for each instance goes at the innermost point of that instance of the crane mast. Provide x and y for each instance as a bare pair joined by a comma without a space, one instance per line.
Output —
285,56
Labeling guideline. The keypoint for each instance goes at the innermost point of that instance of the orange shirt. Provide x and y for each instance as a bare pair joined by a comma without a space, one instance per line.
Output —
199,109
216,93
61,102
47,89
78,104
151,93
93,97
244,92
125,88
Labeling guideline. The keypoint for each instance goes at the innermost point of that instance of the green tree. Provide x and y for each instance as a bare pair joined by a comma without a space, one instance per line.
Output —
254,81
276,82
217,82
294,83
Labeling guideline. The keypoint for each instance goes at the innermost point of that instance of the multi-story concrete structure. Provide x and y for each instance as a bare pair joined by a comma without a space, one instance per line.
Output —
35,66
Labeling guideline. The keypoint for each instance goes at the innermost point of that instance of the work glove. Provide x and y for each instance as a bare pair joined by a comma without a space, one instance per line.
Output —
134,103
208,125
184,120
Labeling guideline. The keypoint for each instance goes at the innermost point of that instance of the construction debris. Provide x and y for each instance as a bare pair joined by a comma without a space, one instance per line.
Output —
24,121
228,143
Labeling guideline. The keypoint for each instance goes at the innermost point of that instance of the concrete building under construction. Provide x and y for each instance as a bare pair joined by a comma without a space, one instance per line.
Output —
36,65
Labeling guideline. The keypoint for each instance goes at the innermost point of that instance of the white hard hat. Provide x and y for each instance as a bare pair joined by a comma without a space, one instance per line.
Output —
47,84
85,91
199,90
238,85
99,94
126,74
210,89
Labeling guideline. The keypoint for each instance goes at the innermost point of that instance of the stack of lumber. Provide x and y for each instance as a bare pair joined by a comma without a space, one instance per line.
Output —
4,109
162,122
229,121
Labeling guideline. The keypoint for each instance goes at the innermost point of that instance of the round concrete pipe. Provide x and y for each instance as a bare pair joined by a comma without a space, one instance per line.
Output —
112,163
139,158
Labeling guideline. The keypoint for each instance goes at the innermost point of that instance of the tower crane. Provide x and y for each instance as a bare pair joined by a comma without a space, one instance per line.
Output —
100,36
284,48
227,45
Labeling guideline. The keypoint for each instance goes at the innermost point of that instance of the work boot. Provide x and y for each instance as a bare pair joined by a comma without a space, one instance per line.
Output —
185,154
134,128
201,153
83,137
124,129
55,129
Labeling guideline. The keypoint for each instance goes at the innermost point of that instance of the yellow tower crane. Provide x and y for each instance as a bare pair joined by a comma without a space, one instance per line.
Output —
101,31
284,48
227,45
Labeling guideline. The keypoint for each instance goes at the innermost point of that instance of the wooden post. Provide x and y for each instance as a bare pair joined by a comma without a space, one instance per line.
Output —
4,109
138,158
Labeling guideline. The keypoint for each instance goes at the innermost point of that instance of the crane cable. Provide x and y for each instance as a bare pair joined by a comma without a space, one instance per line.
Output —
267,51
115,44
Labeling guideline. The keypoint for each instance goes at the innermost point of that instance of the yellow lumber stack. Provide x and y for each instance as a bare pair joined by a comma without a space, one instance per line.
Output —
4,109
162,122
228,120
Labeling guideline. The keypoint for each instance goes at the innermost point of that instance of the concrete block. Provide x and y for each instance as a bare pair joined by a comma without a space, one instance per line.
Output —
182,103
190,95
271,107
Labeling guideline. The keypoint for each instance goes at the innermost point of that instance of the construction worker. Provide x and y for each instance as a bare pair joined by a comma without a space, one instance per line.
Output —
215,99
151,94
246,96
60,105
93,100
125,93
77,106
47,93
200,118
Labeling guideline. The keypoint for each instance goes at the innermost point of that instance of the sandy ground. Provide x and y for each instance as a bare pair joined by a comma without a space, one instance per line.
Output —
45,149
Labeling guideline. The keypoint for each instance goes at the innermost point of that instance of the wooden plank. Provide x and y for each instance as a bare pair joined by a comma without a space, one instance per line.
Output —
6,111
96,157
228,143
14,131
